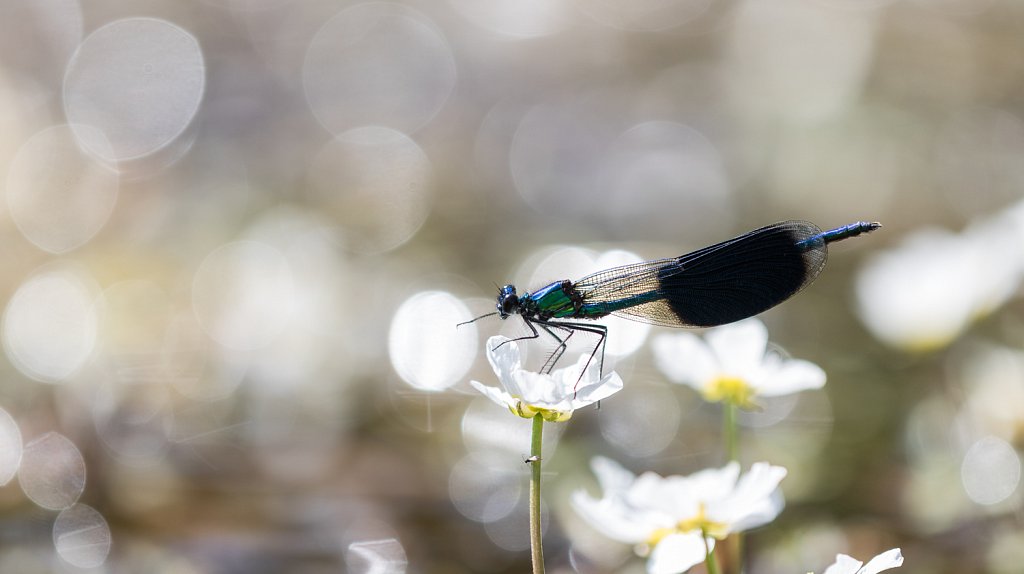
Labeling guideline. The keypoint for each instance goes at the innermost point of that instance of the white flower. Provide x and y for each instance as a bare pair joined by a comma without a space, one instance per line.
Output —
672,518
884,561
919,296
554,396
732,364
922,294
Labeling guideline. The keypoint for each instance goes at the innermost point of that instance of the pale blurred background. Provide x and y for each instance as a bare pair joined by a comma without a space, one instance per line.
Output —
237,236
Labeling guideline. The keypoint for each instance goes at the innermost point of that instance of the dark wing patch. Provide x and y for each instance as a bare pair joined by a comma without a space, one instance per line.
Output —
718,284
744,276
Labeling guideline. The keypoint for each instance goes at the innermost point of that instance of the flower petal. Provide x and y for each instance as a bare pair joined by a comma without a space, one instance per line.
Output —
590,394
613,518
844,565
756,500
669,495
612,476
585,372
713,484
791,376
740,346
538,390
884,561
759,513
685,358
678,553
495,394
760,480
503,355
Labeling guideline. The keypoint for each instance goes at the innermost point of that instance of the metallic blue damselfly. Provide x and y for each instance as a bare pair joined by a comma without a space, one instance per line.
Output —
723,283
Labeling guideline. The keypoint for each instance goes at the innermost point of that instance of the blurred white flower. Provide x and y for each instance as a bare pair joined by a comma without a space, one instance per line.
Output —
846,565
993,399
918,296
997,247
670,519
554,396
731,364
923,294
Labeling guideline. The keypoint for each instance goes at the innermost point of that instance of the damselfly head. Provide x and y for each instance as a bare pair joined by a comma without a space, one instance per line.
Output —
508,301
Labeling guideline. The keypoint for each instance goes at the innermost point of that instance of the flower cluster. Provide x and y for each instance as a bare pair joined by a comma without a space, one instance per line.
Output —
675,520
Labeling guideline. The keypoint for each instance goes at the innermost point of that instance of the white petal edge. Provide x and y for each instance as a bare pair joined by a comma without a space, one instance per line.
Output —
612,476
844,565
714,483
884,561
761,480
503,355
497,395
792,376
575,375
590,394
612,518
756,500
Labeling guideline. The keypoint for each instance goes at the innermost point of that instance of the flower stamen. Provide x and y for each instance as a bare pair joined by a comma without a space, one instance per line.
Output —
730,389
716,530
528,411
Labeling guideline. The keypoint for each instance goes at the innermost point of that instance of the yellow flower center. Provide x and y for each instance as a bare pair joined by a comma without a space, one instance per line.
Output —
730,389
717,530
927,344
528,412
700,522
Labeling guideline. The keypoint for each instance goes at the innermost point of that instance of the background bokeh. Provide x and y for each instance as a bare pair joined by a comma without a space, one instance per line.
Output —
237,236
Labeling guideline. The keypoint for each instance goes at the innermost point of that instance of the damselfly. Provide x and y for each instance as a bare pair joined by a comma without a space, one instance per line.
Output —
725,282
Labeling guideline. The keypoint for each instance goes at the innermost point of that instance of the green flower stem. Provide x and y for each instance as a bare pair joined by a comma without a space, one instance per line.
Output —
710,561
536,548
732,447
